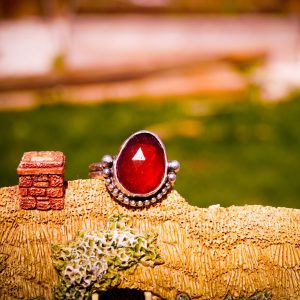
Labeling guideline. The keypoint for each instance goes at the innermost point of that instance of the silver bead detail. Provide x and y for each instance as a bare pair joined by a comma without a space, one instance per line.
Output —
132,203
147,202
107,180
107,161
120,197
172,177
174,165
164,191
115,192
153,200
111,187
140,203
126,200
159,196
106,172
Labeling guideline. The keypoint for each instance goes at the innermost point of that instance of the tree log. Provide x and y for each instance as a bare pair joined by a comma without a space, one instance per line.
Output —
208,253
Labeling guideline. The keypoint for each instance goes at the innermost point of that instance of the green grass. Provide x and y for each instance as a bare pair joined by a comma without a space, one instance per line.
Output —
245,153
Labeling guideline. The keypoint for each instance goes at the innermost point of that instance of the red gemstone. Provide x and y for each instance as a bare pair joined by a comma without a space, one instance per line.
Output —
141,165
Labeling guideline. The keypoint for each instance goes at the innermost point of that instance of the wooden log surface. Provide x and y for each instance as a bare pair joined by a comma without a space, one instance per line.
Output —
208,253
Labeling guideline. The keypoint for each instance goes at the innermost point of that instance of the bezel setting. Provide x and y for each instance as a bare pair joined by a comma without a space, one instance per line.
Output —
114,166
108,170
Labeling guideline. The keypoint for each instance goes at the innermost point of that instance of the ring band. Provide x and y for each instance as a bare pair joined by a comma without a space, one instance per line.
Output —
140,174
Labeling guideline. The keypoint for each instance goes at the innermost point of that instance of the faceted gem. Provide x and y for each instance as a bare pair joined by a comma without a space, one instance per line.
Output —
141,165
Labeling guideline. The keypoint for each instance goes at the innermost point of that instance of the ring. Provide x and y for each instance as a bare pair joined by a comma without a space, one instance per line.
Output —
140,174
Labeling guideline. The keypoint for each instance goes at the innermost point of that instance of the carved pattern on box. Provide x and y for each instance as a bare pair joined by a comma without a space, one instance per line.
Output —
41,180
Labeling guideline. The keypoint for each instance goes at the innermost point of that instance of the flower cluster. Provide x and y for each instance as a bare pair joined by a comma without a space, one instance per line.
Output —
92,262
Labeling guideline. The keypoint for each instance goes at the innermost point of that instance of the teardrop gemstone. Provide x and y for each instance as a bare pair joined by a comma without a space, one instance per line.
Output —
141,165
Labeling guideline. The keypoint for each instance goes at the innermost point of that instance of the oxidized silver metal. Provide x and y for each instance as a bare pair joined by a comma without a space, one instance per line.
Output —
107,161
174,165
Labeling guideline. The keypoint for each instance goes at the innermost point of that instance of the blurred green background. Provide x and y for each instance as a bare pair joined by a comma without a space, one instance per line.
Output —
236,153
219,85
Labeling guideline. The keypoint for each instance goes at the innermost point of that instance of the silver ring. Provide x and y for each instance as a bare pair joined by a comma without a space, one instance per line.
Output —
140,174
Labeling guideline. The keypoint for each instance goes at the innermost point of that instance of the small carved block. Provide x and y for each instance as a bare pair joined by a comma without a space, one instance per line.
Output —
42,199
23,191
56,181
41,178
37,192
57,203
42,160
25,181
43,205
55,192
42,184
28,203
39,163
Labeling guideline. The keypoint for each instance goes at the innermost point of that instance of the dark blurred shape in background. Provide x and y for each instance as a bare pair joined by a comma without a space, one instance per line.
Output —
18,8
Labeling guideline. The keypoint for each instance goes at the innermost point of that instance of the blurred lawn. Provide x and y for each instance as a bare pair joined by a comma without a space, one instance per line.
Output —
237,153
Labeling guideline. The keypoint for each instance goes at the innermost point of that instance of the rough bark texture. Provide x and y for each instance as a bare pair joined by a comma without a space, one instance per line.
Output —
208,253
